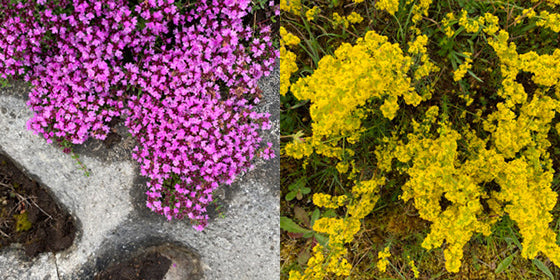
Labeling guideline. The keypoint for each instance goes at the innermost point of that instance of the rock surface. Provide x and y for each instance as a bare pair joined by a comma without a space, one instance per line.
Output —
240,242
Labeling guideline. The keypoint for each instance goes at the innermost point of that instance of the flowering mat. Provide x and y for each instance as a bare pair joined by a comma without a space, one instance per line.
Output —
182,74
112,220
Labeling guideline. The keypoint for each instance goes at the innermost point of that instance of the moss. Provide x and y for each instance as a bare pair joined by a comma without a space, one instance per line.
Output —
22,223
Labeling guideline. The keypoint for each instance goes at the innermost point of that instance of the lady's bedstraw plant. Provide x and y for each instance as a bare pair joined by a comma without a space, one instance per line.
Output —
184,74
463,176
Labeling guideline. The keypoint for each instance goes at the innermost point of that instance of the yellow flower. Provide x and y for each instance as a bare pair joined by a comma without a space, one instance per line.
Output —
419,45
342,167
328,201
549,20
420,9
471,26
341,84
354,18
287,38
391,6
492,24
311,13
463,68
298,150
288,64
413,267
339,20
292,6
383,259
447,25
432,114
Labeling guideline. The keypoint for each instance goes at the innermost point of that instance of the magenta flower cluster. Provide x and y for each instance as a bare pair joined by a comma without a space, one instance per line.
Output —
184,74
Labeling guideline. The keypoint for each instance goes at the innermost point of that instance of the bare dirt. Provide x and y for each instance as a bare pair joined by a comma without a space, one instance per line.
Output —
29,215
148,266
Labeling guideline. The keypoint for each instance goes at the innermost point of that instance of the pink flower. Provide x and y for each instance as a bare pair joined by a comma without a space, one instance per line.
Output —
190,137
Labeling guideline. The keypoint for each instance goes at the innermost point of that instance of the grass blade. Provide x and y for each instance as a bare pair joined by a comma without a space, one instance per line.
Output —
504,264
543,268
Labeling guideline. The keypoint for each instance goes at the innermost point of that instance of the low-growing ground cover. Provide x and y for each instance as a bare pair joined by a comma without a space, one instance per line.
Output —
420,139
183,73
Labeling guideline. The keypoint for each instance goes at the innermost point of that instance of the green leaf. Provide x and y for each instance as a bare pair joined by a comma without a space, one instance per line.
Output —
314,216
304,256
297,185
305,190
321,239
543,268
474,76
329,213
291,195
289,225
515,241
504,264
3,83
308,234
301,215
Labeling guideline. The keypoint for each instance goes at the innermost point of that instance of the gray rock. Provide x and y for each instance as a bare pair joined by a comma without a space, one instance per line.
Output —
241,241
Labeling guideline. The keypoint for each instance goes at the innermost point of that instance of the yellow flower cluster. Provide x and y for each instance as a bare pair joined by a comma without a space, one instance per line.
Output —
341,86
365,197
385,154
340,231
492,24
418,47
517,160
549,20
433,175
328,201
383,259
298,149
463,68
546,68
288,64
551,3
291,6
528,13
447,24
420,9
319,265
339,20
512,91
488,22
414,268
471,26
287,38
354,18
391,6
449,170
312,13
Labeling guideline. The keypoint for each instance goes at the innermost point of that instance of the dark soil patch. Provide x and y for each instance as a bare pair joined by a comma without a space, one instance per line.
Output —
152,266
29,215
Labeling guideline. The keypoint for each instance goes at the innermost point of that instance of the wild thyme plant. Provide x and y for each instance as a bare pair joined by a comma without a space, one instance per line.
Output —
183,73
